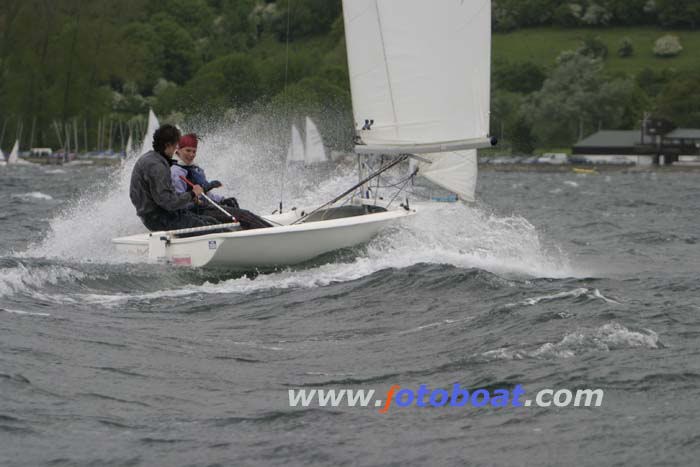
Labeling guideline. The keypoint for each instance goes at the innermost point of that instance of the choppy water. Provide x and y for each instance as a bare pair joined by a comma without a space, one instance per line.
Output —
554,280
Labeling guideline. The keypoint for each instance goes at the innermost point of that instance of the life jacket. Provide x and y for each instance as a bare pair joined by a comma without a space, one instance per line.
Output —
195,174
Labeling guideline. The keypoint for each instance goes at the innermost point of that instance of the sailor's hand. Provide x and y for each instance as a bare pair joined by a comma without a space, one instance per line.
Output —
213,184
197,190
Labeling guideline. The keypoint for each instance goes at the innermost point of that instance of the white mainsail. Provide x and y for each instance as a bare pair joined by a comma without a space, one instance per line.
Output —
315,152
420,77
295,153
14,154
148,138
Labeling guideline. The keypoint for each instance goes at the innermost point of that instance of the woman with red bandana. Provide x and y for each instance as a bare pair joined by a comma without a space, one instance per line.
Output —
186,168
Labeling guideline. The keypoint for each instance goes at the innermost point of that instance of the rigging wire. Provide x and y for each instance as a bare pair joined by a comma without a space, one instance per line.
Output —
286,77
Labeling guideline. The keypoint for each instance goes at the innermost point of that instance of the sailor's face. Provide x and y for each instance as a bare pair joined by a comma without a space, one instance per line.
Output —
187,154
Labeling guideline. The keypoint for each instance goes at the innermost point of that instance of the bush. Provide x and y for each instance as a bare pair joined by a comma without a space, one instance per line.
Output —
594,47
626,49
667,46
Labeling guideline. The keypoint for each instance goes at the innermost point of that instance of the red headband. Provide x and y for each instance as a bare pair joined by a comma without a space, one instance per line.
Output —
188,141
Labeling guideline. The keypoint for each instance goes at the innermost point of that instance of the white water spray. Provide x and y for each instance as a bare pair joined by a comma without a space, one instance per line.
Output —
248,161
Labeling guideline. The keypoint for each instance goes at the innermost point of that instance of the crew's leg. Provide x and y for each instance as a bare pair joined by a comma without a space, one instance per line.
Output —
247,219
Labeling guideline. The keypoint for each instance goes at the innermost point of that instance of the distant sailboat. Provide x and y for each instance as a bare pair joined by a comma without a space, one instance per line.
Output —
295,153
14,154
315,152
13,158
129,147
153,125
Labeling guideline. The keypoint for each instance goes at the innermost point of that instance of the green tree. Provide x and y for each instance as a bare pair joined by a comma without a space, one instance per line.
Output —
521,137
179,54
236,29
576,95
306,17
680,101
521,77
230,81
679,13
652,82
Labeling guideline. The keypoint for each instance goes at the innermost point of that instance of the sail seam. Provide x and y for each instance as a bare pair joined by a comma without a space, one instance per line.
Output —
386,66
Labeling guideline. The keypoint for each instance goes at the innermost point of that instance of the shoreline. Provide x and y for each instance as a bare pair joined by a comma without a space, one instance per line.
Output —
563,168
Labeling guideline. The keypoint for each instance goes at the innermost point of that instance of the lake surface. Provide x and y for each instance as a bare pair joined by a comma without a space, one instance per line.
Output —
553,280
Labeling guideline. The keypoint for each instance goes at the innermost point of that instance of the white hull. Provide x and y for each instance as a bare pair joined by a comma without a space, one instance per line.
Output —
261,248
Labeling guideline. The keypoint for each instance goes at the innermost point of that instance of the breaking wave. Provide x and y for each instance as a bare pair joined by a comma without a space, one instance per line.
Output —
22,278
33,195
606,338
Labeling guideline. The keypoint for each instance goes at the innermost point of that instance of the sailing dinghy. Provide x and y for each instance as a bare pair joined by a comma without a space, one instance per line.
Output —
311,153
420,77
13,158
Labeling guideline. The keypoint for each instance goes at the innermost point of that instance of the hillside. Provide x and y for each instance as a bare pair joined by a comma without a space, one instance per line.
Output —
543,44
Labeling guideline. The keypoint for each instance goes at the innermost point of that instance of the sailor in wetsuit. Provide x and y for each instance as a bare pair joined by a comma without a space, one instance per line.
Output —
185,167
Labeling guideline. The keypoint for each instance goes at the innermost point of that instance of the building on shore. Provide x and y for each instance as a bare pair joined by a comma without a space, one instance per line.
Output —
656,143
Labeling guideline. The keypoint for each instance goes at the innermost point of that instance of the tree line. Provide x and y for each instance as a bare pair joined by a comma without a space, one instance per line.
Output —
513,14
82,74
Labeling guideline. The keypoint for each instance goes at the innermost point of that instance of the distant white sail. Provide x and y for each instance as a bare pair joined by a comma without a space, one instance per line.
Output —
315,152
14,154
148,138
129,147
454,171
295,153
420,71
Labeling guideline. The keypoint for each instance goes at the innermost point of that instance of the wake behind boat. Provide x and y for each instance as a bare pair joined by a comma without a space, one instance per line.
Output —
418,93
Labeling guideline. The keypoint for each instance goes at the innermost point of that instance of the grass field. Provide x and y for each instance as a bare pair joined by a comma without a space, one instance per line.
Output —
543,45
